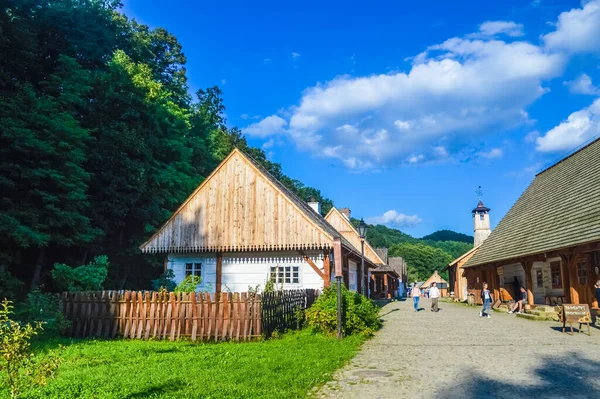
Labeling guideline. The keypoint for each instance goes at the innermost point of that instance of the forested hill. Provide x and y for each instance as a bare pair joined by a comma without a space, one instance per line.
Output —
448,235
100,140
423,255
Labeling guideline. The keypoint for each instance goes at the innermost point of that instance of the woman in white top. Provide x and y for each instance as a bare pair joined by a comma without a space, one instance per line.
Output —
416,294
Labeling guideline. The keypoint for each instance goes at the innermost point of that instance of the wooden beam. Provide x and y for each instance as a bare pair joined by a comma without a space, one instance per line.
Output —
565,258
219,271
312,264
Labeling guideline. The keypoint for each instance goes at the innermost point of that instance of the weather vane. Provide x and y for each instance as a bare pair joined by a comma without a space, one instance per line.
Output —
479,192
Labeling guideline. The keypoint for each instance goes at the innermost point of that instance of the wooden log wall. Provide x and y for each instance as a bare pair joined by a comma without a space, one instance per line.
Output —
157,315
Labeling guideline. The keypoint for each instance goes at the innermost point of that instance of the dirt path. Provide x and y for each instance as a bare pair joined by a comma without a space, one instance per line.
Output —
456,354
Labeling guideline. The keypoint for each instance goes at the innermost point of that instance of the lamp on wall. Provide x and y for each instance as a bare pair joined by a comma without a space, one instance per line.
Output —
362,233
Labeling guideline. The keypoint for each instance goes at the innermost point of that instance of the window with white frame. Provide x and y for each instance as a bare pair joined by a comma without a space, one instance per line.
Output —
285,274
194,268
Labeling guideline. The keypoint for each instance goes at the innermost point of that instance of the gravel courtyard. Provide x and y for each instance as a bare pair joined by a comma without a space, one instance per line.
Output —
456,354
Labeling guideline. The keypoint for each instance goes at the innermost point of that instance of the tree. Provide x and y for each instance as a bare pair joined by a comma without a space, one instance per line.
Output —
421,260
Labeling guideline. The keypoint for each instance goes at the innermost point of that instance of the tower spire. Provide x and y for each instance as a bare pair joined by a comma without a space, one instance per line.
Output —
481,220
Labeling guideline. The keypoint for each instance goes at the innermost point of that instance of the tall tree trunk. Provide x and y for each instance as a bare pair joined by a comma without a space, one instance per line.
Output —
37,272
126,272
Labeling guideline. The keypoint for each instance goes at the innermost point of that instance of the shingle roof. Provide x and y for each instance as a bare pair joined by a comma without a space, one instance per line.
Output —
559,209
398,264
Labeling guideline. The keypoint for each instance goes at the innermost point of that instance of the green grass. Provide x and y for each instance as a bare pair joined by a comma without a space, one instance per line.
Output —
279,368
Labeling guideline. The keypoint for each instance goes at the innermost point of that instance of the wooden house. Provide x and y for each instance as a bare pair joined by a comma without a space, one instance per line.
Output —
457,284
549,241
386,280
340,220
441,284
242,227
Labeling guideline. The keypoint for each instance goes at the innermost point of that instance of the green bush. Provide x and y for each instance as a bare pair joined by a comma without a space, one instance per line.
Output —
20,369
88,277
41,307
188,285
360,314
165,281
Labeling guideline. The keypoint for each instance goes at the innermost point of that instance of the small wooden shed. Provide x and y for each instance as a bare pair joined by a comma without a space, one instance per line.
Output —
440,283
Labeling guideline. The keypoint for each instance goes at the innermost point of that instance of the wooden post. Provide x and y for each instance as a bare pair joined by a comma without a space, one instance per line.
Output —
574,281
219,271
326,270
527,266
566,281
385,286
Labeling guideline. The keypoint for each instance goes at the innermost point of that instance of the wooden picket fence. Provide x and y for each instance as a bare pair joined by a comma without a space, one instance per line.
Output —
283,310
146,315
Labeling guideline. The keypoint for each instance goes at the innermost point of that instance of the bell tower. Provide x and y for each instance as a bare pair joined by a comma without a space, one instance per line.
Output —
481,220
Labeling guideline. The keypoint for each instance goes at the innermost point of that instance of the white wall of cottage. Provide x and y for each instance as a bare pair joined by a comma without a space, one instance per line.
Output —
247,269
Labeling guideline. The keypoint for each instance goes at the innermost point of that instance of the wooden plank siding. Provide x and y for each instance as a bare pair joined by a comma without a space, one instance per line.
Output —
239,208
343,225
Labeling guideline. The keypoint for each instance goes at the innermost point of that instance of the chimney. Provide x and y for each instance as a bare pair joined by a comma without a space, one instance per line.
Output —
345,212
315,205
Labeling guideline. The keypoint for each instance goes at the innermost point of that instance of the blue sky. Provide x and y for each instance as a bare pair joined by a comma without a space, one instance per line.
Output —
399,110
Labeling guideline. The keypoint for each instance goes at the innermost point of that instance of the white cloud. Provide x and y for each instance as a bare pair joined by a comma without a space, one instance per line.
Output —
582,85
416,158
268,144
402,125
269,126
394,218
267,61
577,30
579,127
295,55
451,92
532,136
492,154
493,28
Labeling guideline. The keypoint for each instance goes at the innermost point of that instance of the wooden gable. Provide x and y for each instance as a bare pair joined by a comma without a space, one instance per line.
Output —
435,278
345,228
239,207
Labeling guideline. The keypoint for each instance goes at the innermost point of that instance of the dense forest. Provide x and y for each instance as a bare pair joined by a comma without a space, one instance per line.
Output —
100,140
424,255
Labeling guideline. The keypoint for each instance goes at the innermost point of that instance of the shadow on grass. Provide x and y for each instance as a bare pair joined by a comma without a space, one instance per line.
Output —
568,376
156,390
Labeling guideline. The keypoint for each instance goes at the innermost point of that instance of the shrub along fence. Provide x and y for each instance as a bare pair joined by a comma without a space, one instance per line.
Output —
283,310
145,315
198,316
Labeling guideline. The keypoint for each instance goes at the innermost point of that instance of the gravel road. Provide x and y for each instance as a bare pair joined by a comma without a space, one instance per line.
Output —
456,354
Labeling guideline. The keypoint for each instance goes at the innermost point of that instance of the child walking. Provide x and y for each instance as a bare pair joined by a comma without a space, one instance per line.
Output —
486,298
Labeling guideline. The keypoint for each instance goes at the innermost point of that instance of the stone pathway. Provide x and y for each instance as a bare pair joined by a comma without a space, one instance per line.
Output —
456,354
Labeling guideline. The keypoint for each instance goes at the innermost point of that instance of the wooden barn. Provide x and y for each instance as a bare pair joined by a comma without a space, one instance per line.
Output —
457,284
340,220
441,284
549,241
241,227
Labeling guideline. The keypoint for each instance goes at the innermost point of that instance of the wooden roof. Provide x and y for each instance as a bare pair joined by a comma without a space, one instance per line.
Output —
241,207
559,209
469,253
347,230
435,278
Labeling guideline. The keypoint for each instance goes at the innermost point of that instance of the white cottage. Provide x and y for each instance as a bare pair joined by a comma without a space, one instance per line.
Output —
241,226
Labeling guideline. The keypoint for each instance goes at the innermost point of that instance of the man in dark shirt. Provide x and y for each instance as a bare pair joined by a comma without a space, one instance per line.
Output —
520,303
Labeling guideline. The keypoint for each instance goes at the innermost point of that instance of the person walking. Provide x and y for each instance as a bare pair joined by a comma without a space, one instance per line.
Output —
597,286
434,294
416,294
486,298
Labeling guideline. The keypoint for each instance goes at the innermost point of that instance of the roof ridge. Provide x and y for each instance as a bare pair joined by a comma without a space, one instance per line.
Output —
568,154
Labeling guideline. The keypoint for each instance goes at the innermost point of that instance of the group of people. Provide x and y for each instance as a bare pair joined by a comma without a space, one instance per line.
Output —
434,294
486,298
